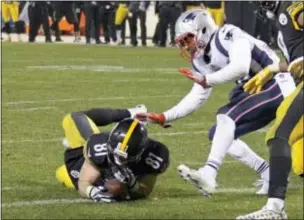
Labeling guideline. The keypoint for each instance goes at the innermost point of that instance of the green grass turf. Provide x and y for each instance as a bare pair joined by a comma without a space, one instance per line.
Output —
41,83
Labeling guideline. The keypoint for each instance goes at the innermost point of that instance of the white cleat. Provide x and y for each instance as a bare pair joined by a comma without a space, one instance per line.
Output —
205,185
265,213
141,108
263,186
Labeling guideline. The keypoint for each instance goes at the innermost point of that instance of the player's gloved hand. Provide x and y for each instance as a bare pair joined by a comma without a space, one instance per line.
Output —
199,79
296,68
255,84
124,175
98,194
152,117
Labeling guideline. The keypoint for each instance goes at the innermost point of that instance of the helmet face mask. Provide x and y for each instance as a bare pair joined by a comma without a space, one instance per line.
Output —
187,45
127,142
194,29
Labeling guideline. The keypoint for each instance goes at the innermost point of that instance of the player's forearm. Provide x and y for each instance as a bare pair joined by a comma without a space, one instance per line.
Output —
106,116
190,103
84,188
239,66
87,177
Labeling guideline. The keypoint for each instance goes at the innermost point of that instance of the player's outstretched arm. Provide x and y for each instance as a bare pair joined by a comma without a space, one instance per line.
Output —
194,100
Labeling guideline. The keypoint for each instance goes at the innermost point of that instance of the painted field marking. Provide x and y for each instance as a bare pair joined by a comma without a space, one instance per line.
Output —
86,99
72,201
55,139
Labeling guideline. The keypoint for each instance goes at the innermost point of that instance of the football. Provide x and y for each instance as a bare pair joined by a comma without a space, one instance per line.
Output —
116,188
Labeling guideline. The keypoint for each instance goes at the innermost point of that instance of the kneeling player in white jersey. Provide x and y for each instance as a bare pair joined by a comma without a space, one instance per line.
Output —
221,55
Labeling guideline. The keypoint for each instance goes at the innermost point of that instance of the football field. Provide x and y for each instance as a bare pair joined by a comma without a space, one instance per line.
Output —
43,82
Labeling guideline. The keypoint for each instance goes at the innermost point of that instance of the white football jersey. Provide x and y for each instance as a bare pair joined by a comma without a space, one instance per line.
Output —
220,45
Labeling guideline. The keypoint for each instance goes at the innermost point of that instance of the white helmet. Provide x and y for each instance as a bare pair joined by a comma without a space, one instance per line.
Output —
193,30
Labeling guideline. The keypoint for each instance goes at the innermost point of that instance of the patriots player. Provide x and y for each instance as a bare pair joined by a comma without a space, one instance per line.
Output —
285,138
220,55
126,154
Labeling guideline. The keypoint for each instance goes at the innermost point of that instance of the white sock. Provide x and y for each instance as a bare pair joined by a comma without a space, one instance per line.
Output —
118,35
222,140
275,204
241,151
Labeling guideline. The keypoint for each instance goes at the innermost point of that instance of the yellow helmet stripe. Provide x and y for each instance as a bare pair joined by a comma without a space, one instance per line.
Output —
123,146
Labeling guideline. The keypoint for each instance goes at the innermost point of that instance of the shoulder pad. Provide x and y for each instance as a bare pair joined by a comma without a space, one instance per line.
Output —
96,150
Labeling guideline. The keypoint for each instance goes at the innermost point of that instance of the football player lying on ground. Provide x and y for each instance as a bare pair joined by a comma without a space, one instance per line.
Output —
220,55
122,164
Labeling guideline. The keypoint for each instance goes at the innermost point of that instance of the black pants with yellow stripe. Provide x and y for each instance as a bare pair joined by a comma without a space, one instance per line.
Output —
78,127
288,127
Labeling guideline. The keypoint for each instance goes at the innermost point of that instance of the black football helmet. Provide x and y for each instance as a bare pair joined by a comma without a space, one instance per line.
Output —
267,9
127,141
269,5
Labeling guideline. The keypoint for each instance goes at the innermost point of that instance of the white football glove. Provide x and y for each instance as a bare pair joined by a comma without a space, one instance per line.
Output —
98,194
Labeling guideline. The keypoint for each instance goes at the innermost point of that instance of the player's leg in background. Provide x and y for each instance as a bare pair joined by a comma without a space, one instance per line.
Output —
73,19
104,19
14,11
45,23
284,133
88,23
34,17
120,16
57,18
143,27
133,28
5,10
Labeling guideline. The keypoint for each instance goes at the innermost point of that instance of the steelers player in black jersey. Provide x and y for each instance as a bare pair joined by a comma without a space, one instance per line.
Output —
285,137
125,154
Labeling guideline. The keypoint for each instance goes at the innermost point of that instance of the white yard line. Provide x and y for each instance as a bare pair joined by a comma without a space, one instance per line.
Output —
60,138
72,201
87,99
44,202
33,109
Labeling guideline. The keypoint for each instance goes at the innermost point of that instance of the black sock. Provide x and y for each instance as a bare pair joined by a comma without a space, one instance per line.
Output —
280,165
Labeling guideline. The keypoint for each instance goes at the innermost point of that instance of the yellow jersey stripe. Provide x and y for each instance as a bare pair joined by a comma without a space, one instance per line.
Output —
123,146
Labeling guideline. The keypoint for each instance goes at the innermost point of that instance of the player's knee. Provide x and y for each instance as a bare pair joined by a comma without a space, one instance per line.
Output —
76,27
224,121
211,132
279,148
63,177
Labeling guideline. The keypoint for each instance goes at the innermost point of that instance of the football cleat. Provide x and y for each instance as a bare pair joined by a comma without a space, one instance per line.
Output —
141,108
263,186
265,213
205,185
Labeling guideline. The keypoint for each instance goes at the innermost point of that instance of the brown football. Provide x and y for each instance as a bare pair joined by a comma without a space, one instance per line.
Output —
115,187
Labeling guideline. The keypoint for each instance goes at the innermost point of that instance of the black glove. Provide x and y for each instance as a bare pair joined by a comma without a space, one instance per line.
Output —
124,175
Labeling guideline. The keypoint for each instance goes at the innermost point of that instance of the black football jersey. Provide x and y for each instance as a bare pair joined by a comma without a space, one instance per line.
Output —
154,160
291,35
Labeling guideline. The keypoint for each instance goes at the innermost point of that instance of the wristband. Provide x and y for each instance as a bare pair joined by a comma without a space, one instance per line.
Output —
89,190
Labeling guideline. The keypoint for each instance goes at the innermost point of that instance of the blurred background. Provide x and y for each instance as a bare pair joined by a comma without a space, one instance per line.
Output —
135,23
